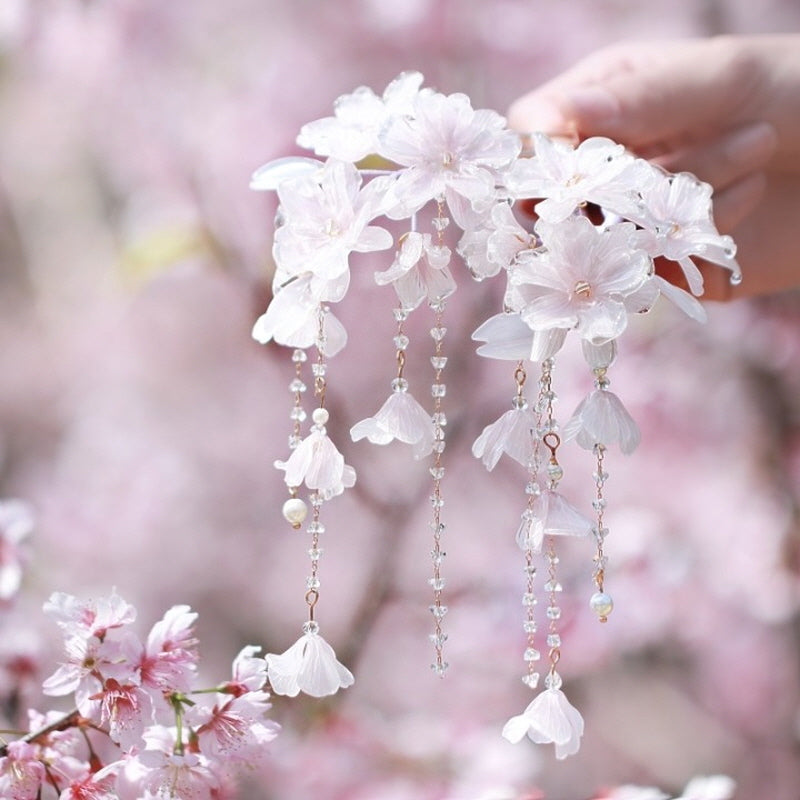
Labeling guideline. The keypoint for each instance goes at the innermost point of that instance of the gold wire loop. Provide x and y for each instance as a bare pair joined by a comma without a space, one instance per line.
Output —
551,441
520,376
401,362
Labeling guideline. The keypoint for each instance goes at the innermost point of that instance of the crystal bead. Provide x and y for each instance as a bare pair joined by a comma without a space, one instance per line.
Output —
438,611
553,680
533,488
437,528
440,419
299,356
602,605
555,472
438,446
438,639
529,599
552,586
531,679
440,223
314,553
532,654
312,583
553,640
438,362
530,570
297,386
529,626
295,511
320,416
600,477
599,504
401,341
437,556
437,584
319,369
438,333
440,668
437,473
400,314
438,390
553,612
399,385
297,414
519,403
311,627
436,501
315,528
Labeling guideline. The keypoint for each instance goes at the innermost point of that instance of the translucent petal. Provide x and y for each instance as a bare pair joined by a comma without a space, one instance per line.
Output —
601,418
515,729
283,670
682,299
271,174
506,336
559,517
321,674
511,434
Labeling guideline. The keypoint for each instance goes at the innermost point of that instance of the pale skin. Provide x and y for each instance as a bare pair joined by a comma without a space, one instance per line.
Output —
725,108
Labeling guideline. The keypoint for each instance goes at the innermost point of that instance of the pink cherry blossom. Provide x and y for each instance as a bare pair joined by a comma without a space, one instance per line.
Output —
21,772
89,618
249,672
169,661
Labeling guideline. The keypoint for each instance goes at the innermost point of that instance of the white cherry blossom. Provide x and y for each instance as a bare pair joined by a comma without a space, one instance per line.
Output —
602,419
507,337
352,133
448,150
308,666
402,418
550,718
512,433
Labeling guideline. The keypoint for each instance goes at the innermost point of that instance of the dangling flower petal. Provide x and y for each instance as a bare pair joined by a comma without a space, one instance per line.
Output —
601,418
550,718
507,337
317,463
553,515
308,666
511,434
401,417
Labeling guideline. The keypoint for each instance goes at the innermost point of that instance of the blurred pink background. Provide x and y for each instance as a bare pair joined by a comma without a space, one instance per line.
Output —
141,421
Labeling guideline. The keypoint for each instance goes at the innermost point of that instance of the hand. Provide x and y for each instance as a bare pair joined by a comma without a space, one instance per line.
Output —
726,109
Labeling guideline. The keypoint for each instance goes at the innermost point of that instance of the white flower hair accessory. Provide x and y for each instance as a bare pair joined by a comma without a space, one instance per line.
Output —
452,180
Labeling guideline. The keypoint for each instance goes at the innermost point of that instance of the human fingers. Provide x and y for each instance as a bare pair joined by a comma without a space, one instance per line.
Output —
644,95
726,159
737,201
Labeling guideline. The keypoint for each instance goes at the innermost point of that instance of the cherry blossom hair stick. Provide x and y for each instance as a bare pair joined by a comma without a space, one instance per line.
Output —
566,274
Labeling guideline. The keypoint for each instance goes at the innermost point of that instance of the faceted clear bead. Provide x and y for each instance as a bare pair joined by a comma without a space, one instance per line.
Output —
598,504
519,403
315,527
531,679
311,627
438,333
553,640
399,385
438,362
437,473
552,586
436,501
532,488
438,446
437,584
530,570
438,390
438,611
440,668
529,626
319,369
438,639
555,472
294,442
553,612
440,223
529,599
600,477
437,556
299,356
401,341
532,654
297,386
314,553
553,680
400,314
312,583
440,419
297,414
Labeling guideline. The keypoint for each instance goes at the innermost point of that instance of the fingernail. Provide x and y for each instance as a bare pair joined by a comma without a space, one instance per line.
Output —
592,104
535,113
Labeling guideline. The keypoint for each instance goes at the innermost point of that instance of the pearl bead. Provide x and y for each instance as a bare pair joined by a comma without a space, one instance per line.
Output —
295,511
320,416
602,605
